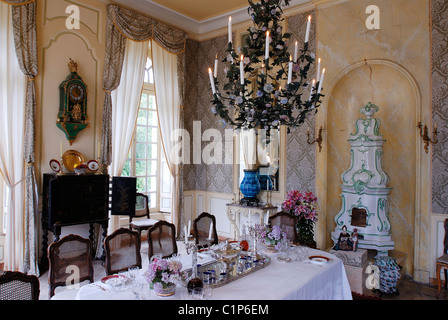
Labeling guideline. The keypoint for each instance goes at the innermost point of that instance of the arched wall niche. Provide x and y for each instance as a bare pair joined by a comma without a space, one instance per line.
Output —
394,90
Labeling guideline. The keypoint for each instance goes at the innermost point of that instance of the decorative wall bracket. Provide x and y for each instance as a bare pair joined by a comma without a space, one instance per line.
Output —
425,136
319,138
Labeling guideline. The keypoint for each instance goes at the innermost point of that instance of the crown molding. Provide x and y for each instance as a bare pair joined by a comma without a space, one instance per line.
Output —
204,29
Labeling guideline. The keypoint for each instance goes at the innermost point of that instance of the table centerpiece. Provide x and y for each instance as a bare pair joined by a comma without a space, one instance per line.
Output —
270,237
162,275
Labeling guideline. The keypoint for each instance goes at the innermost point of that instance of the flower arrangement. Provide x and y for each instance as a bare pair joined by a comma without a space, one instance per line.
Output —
270,236
303,206
163,273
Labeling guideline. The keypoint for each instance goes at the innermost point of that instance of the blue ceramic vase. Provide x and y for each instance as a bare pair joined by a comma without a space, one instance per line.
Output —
250,186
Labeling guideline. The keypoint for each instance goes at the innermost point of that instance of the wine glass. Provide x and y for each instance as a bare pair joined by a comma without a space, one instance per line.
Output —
198,293
133,272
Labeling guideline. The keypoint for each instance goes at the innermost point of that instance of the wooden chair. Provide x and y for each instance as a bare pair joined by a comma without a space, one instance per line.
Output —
141,210
287,222
442,261
201,230
19,286
162,239
122,249
70,255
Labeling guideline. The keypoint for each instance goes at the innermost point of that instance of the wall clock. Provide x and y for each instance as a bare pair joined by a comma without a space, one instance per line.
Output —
72,115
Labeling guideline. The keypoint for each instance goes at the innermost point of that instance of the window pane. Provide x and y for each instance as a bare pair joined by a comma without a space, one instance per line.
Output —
151,183
140,167
152,151
152,199
152,118
144,101
127,169
152,168
142,117
141,134
140,152
152,134
152,102
141,186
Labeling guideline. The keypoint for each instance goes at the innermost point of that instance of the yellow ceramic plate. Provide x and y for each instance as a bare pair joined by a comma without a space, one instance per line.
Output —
71,159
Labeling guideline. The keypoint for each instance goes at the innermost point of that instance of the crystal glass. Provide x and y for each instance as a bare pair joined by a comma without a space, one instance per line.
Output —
198,293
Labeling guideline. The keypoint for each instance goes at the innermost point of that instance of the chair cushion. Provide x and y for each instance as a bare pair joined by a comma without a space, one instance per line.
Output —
443,259
144,223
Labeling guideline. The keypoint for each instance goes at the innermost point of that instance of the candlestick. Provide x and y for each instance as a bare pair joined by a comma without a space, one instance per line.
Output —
296,49
242,70
321,81
186,234
290,70
215,71
61,149
308,25
212,82
230,29
266,53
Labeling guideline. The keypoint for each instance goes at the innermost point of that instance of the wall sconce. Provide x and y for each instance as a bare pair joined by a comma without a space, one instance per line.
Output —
424,134
318,139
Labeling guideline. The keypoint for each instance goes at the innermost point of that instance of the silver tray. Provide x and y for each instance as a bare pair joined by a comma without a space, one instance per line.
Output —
263,262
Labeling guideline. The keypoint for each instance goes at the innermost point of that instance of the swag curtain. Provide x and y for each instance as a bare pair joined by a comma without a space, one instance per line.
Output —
21,246
124,23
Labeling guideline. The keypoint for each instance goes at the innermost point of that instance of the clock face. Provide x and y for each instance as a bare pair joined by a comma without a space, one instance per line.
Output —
76,92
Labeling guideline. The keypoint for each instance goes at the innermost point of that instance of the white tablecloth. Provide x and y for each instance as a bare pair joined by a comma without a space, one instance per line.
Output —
296,280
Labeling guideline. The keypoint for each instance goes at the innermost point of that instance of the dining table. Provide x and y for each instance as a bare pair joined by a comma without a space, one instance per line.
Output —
297,279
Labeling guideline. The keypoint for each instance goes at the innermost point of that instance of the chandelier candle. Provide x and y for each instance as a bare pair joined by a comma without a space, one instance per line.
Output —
215,71
308,25
318,70
229,26
290,70
321,81
296,50
212,81
242,70
266,52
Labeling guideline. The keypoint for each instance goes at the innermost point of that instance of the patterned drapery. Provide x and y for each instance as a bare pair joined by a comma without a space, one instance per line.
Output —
124,23
25,39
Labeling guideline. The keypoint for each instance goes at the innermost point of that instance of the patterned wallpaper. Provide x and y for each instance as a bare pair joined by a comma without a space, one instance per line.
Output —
200,56
300,155
219,178
439,45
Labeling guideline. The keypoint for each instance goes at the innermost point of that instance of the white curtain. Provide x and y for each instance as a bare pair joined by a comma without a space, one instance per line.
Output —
12,128
168,111
126,102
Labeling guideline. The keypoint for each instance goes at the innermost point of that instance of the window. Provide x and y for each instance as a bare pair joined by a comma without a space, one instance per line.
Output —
145,156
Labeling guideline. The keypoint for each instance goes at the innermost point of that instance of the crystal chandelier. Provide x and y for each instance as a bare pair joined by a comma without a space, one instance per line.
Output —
273,94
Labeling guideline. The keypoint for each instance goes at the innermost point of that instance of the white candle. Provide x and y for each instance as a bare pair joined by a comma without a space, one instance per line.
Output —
98,151
185,232
308,25
215,71
321,81
249,217
318,70
189,228
312,88
290,70
266,53
230,29
212,82
61,149
210,231
267,184
242,70
296,50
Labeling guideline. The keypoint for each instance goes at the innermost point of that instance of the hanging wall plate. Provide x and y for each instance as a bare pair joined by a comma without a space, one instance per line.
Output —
55,165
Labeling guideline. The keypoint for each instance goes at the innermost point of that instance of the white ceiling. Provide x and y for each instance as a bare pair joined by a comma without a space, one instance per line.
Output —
196,16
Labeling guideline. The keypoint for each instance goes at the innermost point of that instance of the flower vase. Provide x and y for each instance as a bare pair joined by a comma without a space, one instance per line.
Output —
305,233
163,291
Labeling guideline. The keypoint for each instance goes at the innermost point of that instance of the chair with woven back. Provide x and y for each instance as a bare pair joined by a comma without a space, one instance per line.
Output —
287,222
162,239
122,251
69,256
442,261
201,230
136,221
16,285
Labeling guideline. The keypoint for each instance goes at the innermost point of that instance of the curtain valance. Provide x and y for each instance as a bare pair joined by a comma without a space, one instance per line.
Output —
138,27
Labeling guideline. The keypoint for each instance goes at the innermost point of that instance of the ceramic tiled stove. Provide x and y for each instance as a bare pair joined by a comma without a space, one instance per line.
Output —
365,191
